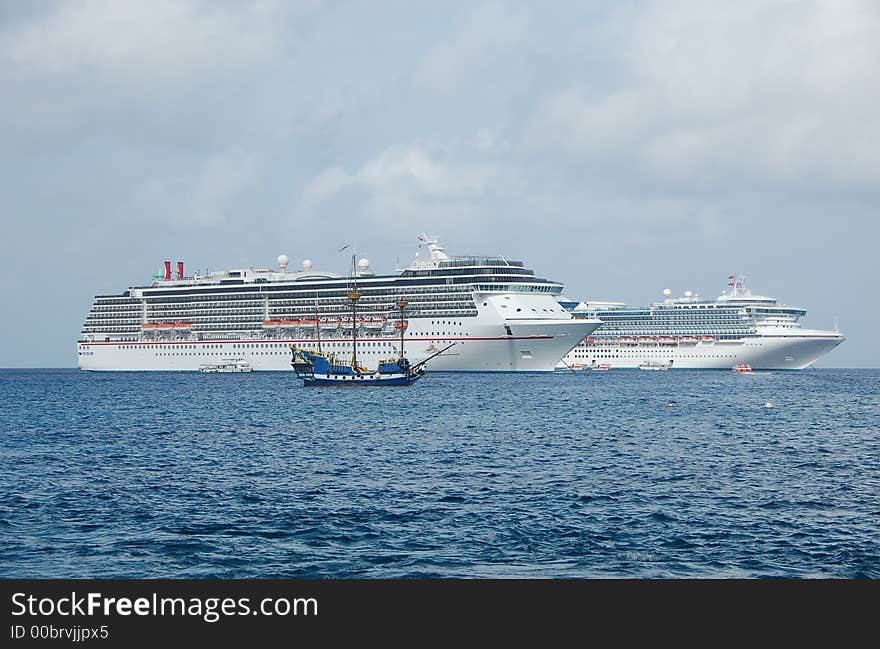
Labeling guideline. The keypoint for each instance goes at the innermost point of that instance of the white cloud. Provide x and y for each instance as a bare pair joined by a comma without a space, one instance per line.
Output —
201,200
751,94
406,174
490,30
93,62
167,37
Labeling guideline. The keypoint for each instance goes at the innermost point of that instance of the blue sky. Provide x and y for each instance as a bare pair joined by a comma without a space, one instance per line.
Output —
619,147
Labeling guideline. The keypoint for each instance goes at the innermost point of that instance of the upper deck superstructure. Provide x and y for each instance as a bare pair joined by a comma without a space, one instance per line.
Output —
502,316
691,332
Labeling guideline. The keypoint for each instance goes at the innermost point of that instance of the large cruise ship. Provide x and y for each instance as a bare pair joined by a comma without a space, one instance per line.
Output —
500,316
694,333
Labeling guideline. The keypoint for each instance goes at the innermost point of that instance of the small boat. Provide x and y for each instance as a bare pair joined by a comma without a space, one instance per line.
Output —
654,365
708,339
742,368
600,367
230,366
317,368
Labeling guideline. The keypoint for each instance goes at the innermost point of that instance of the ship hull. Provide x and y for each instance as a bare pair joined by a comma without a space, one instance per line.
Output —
531,346
762,352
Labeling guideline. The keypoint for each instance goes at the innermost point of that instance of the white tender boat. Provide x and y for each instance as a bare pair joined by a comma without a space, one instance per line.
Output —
653,365
235,366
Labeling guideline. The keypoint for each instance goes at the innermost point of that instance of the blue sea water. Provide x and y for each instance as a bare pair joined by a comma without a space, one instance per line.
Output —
592,474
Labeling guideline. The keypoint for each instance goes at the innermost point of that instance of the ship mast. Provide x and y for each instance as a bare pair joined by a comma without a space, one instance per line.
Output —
353,295
317,323
401,304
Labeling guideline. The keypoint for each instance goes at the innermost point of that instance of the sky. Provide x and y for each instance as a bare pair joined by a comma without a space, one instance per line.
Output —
618,147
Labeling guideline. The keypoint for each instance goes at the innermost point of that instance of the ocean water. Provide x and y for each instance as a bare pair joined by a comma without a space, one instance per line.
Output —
594,474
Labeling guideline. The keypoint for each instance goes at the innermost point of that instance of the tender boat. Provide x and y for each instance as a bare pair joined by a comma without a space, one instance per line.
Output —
742,368
600,367
231,366
654,365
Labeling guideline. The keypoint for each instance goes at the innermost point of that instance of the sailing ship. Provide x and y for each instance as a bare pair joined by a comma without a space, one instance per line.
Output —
317,368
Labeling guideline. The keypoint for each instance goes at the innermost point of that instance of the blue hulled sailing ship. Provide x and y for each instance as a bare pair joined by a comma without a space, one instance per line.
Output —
324,369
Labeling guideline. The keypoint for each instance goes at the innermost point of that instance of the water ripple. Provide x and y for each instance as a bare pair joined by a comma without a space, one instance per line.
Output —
620,474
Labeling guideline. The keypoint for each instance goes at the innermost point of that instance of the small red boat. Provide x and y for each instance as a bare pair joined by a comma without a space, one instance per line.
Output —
742,368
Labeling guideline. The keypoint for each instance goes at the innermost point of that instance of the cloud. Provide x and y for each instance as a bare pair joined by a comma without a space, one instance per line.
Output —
85,60
168,37
403,182
489,30
201,200
752,94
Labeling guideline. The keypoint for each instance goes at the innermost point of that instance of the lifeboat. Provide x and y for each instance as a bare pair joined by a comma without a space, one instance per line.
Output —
689,339
589,341
707,339
647,340
328,324
400,325
628,340
667,340
742,368
374,323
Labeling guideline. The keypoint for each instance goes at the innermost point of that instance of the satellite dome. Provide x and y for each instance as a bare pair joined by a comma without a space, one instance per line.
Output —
283,261
667,292
688,294
307,264
363,264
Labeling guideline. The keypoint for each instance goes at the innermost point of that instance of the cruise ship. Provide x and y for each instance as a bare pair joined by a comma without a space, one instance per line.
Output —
501,317
689,332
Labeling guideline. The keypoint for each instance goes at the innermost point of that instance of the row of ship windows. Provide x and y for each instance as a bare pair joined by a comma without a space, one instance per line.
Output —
93,326
591,356
656,331
367,292
259,310
171,311
383,303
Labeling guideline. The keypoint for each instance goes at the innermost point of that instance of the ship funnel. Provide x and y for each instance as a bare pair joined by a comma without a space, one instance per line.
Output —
180,270
167,270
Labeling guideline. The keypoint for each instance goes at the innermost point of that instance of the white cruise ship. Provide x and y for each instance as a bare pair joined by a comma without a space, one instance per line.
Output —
693,333
499,315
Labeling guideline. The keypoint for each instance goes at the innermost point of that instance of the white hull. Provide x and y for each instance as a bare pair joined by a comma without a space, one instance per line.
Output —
766,351
482,345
